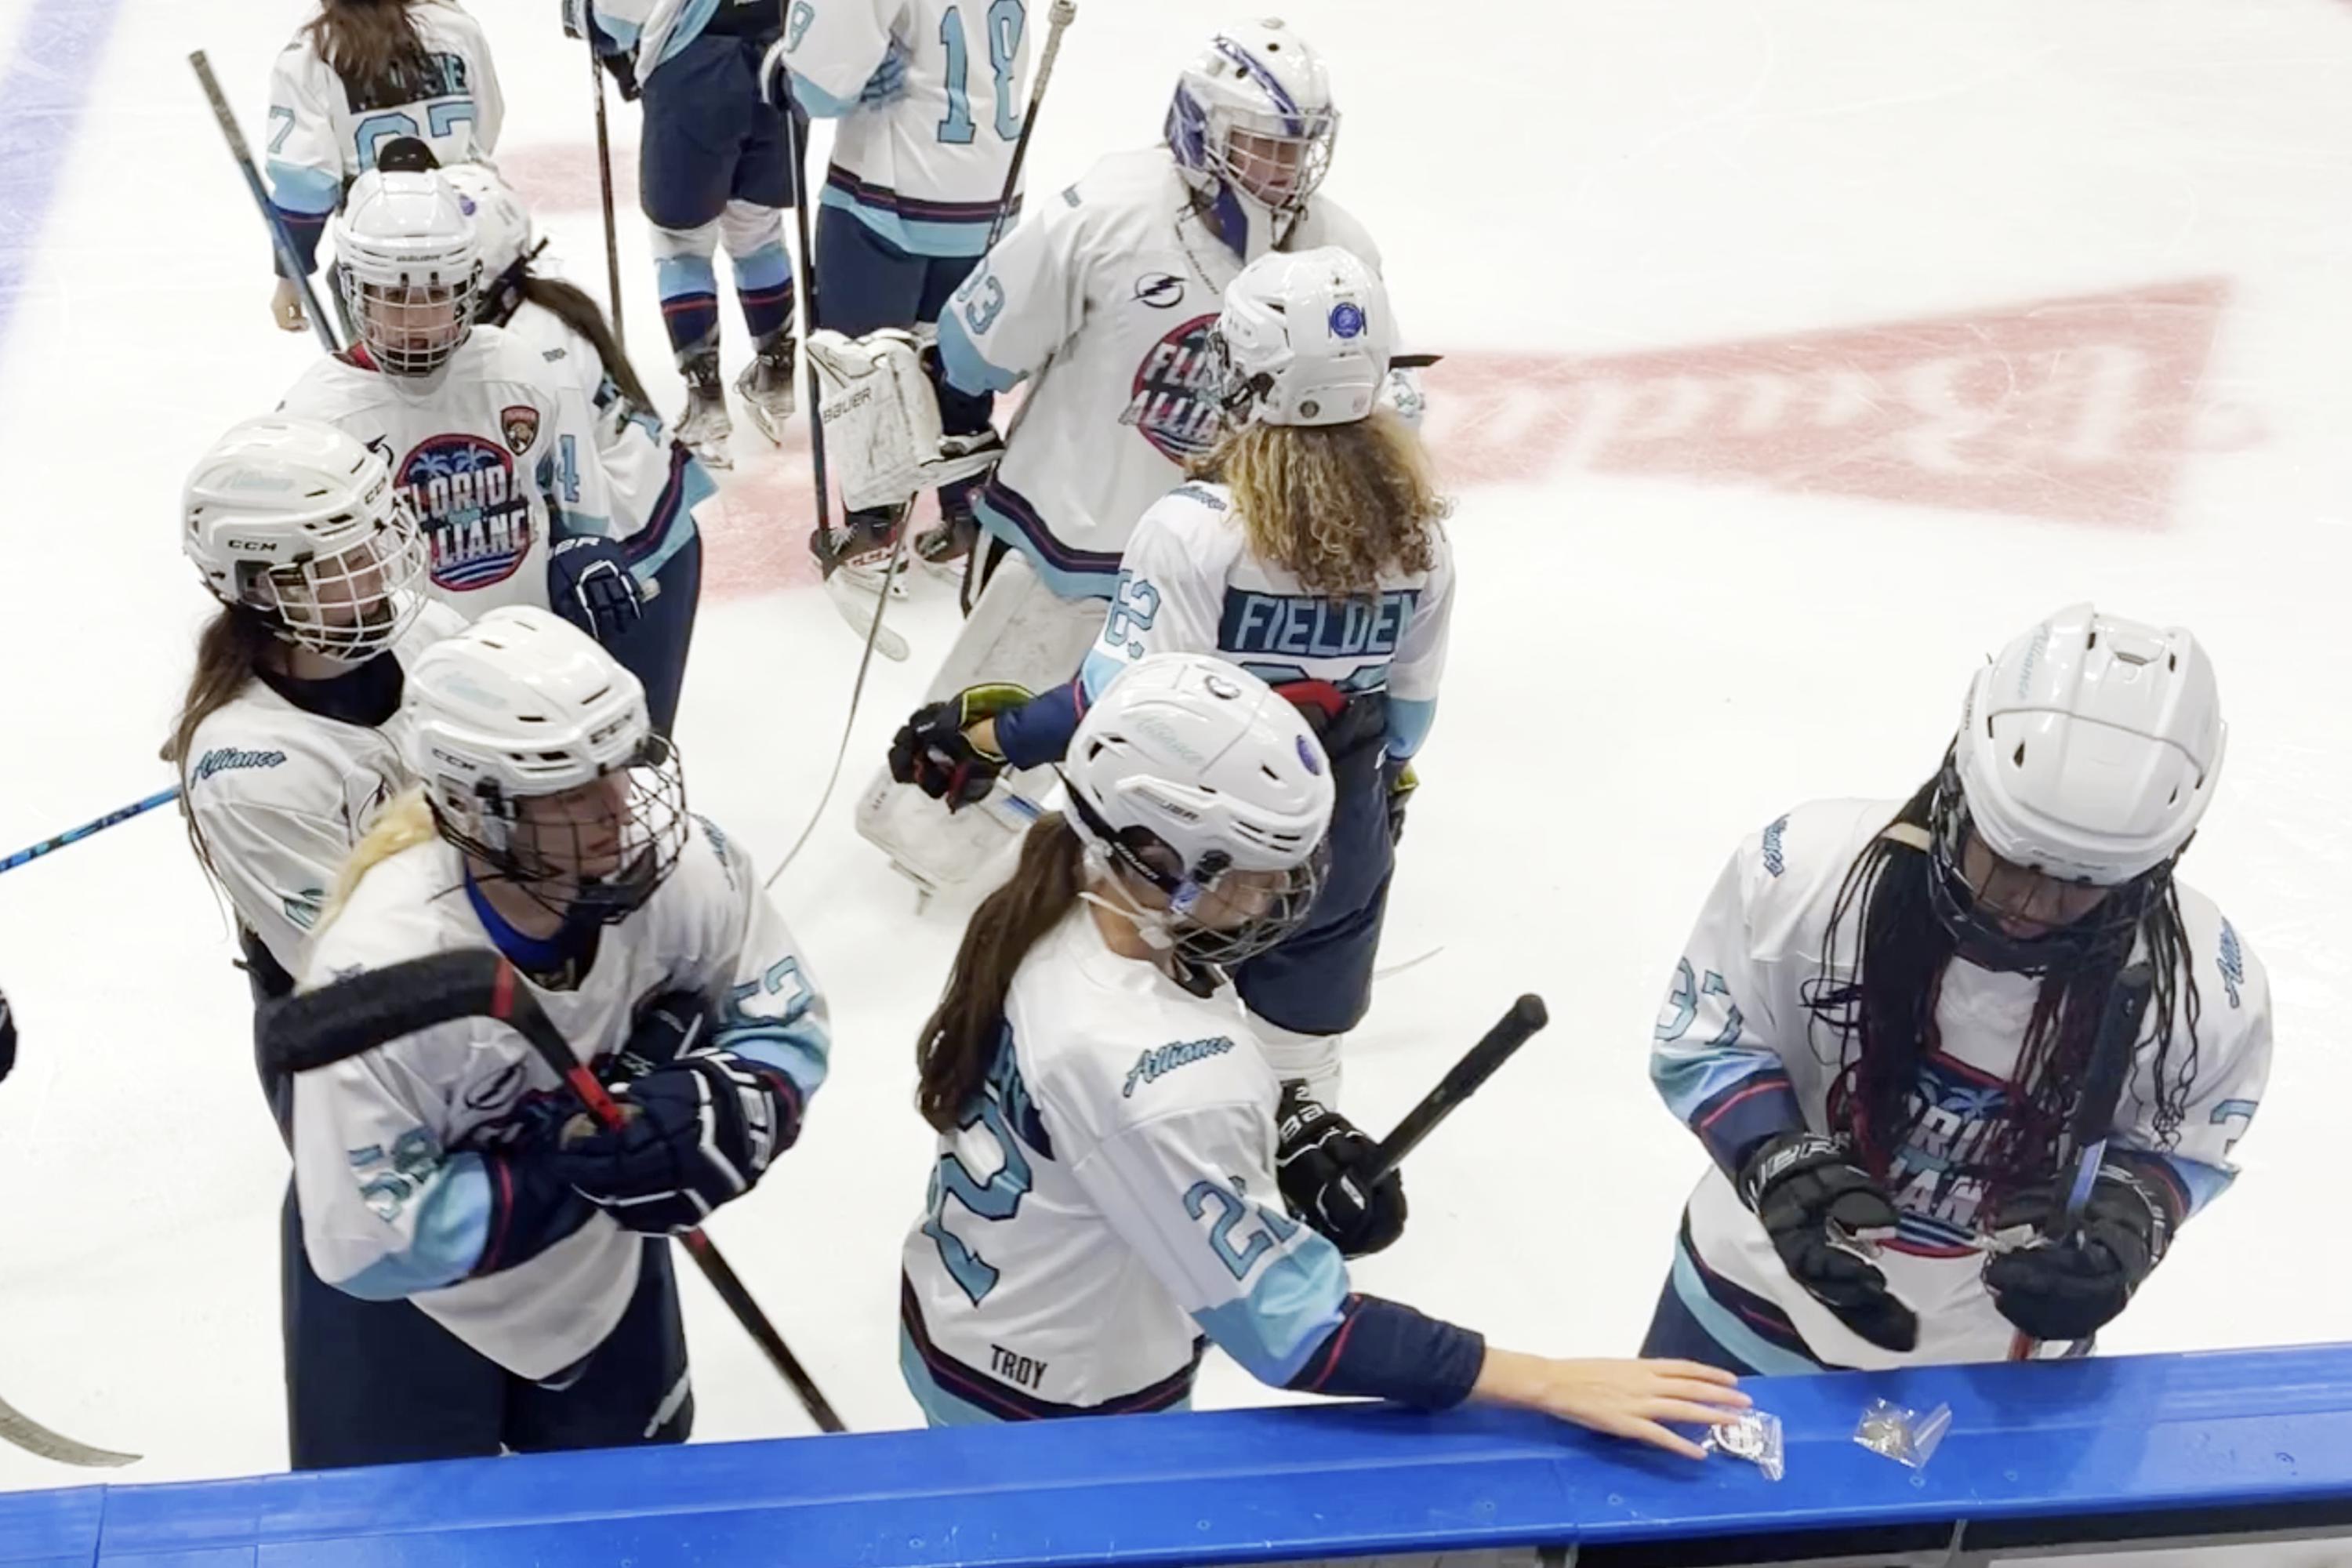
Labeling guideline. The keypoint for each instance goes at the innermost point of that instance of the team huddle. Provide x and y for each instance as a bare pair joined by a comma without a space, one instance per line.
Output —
1208,586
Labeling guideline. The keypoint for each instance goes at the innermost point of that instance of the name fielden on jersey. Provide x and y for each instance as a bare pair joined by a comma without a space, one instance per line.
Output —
1173,403
475,515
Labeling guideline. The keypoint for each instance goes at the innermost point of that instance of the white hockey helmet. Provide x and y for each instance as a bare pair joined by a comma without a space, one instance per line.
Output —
1195,776
539,758
296,518
1304,339
1253,127
501,229
410,263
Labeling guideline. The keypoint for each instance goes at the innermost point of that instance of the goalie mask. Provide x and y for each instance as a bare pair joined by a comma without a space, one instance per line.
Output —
1191,777
296,520
1253,127
409,261
538,760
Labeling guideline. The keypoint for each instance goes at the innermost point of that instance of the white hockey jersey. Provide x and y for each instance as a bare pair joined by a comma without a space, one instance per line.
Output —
388,1146
1111,1198
1188,582
655,483
323,135
496,451
1736,1031
280,795
920,156
1115,283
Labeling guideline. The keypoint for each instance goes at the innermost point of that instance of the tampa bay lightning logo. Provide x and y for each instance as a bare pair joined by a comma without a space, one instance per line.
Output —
1346,319
1174,403
1161,291
476,517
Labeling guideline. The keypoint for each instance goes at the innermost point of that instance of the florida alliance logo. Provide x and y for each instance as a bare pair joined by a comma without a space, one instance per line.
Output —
475,517
1173,405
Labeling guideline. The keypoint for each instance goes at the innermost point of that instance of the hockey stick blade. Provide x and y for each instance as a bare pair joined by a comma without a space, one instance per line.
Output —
20,1431
313,1029
1510,1032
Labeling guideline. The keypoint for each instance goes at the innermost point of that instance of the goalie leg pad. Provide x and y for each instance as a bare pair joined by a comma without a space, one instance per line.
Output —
1021,633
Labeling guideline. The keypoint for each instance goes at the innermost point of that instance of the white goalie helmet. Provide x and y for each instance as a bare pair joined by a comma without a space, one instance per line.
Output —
1253,127
2089,750
296,518
410,263
1304,339
502,232
1197,777
537,757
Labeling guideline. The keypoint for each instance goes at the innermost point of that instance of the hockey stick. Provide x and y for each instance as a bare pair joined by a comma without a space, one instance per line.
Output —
1477,1065
73,834
22,1431
313,1029
604,187
279,238
2094,1111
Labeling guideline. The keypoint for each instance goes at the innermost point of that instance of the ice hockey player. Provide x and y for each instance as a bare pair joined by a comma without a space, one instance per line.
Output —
1110,1185
927,107
655,481
713,171
1105,293
290,739
493,448
450,1168
358,75
1309,551
1884,1018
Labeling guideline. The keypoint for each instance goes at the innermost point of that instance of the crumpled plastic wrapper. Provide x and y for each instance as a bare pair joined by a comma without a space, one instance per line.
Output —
1906,1436
1752,1435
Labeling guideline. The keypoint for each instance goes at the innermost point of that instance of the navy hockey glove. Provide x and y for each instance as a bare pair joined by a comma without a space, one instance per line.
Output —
701,1127
590,584
1316,1164
7,1038
888,85
2069,1287
1402,782
933,753
1821,1209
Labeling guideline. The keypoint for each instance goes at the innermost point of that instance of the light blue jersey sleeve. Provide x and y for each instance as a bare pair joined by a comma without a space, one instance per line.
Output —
1171,580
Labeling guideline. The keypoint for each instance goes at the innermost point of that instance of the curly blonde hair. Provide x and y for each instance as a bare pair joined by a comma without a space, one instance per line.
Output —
1337,506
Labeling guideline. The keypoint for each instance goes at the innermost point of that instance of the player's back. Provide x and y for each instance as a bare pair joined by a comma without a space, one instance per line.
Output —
323,126
1016,1271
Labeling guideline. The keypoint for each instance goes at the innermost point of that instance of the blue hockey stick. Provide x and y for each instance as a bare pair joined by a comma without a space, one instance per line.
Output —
160,797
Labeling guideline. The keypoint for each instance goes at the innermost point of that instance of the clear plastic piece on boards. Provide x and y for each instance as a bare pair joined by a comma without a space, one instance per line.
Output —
1753,1436
1906,1436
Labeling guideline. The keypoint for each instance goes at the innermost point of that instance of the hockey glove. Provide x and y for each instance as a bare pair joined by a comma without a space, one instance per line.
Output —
590,584
2068,1288
933,753
1823,1211
1317,1158
888,85
1402,782
7,1038
700,1127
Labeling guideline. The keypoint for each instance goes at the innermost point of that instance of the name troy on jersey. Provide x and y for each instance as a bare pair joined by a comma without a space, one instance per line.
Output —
1174,403
476,517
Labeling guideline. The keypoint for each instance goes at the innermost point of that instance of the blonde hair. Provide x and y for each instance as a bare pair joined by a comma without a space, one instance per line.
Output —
1337,506
405,822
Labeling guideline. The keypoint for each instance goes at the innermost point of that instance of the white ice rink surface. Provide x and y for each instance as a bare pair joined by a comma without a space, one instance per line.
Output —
1805,352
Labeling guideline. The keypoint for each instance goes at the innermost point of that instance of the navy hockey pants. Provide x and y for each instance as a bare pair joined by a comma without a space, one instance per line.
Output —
864,283
380,1382
708,137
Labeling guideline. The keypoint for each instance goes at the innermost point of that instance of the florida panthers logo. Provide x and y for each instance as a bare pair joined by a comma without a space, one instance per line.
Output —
521,423
1174,402
476,517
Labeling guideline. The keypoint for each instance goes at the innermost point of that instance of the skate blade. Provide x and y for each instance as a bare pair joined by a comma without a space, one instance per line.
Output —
710,456
771,426
861,609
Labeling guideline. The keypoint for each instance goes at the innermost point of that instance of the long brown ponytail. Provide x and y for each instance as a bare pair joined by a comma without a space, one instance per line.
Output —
374,47
227,652
960,1036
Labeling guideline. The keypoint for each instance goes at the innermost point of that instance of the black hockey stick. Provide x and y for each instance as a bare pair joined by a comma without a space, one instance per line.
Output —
604,187
313,1029
1463,1080
2112,1052
279,238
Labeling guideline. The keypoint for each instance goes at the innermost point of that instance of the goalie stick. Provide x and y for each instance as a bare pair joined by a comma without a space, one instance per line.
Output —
2095,1111
279,238
313,1029
22,1431
1511,1031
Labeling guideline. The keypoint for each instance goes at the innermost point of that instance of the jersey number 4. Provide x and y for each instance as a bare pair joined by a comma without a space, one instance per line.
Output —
1005,20
998,1197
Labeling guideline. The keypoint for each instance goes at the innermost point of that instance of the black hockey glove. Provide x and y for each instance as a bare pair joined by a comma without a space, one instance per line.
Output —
590,584
932,752
1319,1153
1820,1207
7,1038
701,1126
2069,1287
